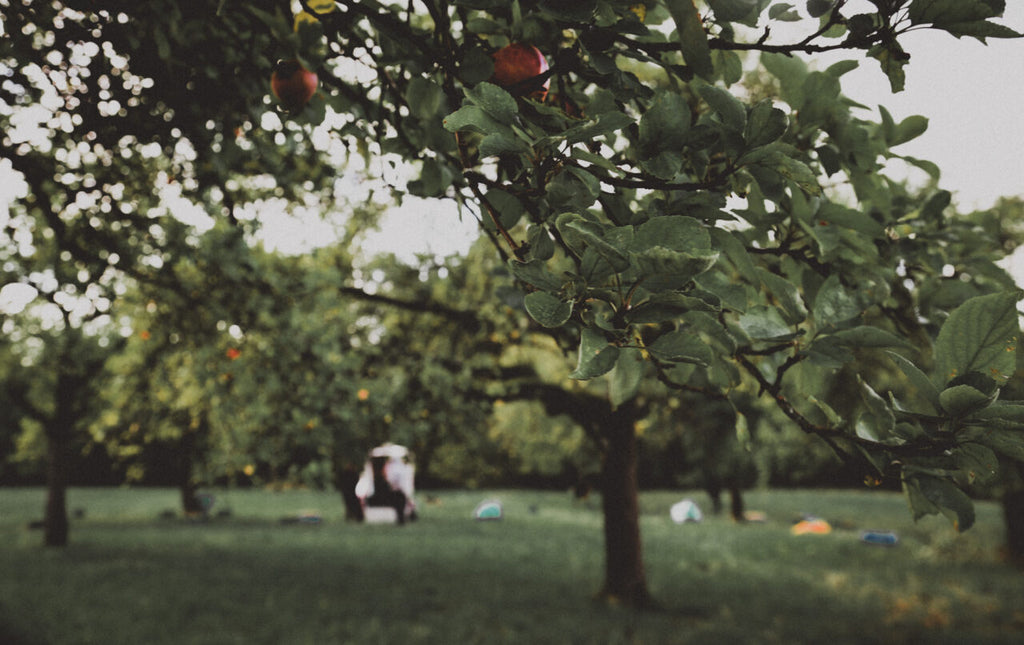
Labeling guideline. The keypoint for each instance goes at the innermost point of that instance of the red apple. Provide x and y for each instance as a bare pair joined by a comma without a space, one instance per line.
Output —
515,64
233,353
293,84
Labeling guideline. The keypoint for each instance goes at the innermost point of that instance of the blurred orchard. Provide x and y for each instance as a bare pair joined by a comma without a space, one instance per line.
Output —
693,268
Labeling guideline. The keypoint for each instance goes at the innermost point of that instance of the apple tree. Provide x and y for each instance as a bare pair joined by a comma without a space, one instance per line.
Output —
685,229
114,127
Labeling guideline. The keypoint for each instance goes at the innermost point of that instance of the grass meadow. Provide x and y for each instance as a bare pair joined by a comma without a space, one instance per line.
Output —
131,576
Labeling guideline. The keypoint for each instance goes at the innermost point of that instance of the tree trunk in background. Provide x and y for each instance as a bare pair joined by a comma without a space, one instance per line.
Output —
736,503
1013,513
190,503
55,514
625,580
58,451
345,478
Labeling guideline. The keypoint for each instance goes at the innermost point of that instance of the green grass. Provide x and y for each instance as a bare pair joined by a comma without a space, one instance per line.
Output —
130,577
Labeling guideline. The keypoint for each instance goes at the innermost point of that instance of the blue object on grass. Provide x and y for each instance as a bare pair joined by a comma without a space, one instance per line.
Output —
881,538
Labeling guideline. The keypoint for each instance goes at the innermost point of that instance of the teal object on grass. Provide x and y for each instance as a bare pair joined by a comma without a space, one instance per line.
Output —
489,510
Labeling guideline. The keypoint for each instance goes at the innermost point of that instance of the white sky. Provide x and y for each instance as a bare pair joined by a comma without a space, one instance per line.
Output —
972,95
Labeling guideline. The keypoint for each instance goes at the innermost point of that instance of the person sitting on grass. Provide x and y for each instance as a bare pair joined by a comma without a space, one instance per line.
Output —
386,491
387,481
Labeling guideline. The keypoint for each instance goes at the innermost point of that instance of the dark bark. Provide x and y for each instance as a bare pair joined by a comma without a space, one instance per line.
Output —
55,514
58,447
625,579
736,503
190,503
345,478
1013,513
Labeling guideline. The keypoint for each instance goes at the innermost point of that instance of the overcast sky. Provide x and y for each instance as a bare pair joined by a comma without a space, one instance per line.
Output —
972,95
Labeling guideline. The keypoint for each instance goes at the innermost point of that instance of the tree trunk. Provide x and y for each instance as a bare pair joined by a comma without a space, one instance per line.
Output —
625,580
345,478
736,503
1013,514
190,503
55,517
58,451
1013,511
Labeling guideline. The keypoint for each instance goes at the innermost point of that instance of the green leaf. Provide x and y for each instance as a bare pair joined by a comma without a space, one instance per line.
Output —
876,420
495,101
606,123
838,215
783,11
471,117
476,66
818,8
731,244
669,251
663,268
627,375
979,336
961,400
929,495
790,302
919,381
792,73
573,189
729,65
764,323
508,207
674,232
1005,411
424,97
596,356
681,346
548,310
535,273
893,59
833,417
929,167
775,159
834,304
978,463
499,143
665,123
868,336
590,234
735,10
908,129
666,306
1007,442
949,12
729,109
981,30
765,124
542,246
693,42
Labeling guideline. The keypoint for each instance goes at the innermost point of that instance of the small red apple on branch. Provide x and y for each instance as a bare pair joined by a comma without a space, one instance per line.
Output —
293,84
518,68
